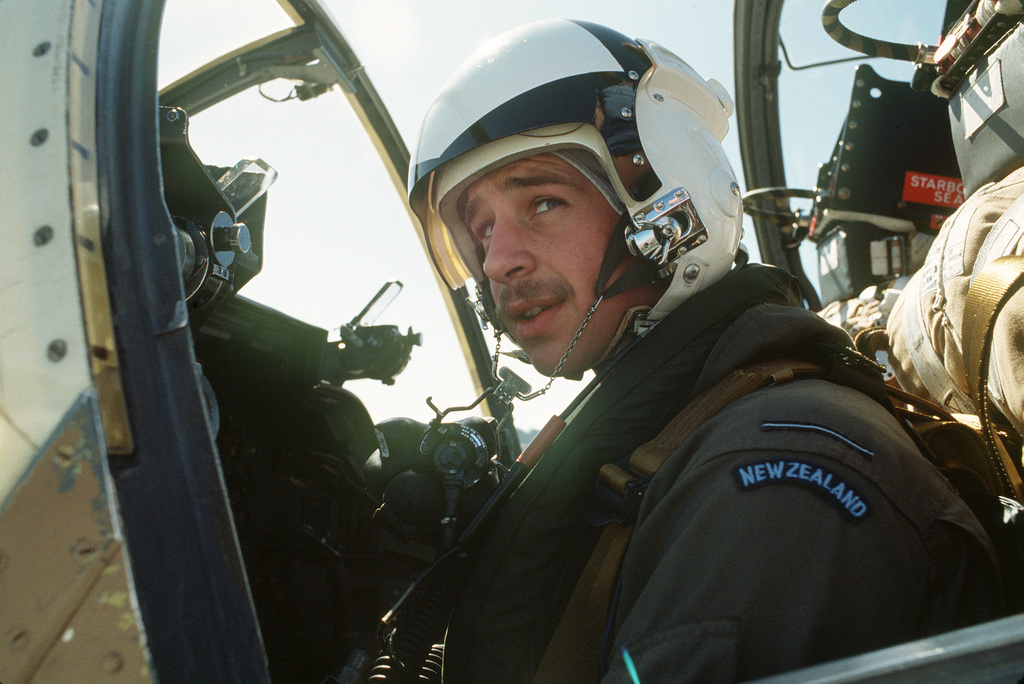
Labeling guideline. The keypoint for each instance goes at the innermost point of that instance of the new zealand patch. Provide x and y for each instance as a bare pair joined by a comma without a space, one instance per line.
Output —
822,481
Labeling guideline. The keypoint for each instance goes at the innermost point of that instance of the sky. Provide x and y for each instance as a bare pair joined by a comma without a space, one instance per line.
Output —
337,229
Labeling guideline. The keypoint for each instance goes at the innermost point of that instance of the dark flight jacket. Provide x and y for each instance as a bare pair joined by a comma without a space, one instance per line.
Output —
798,525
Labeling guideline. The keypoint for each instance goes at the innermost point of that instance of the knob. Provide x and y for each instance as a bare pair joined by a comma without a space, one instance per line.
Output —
234,238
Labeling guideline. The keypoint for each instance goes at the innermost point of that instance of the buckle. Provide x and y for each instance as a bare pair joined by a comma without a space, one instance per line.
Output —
611,504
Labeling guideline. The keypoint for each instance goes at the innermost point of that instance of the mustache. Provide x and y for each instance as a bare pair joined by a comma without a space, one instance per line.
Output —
531,289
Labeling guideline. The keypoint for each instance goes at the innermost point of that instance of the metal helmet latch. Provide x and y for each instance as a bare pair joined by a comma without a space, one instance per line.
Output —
667,228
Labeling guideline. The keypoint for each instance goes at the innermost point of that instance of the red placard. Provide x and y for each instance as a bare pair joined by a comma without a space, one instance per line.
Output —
939,191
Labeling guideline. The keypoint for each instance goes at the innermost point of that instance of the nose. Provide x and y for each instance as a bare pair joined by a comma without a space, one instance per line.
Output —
508,254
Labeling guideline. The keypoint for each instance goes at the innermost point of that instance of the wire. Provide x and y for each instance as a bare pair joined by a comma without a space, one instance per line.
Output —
814,65
291,96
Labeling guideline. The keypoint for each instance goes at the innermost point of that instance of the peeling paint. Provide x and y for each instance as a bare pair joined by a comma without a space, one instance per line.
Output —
116,598
126,621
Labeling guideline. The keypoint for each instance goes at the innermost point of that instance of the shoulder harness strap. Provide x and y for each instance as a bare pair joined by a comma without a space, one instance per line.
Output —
989,292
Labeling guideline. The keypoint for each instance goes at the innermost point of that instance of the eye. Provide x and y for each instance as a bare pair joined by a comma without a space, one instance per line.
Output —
482,230
547,204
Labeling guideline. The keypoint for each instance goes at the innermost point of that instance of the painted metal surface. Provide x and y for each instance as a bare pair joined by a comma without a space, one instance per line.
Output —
43,357
69,612
49,349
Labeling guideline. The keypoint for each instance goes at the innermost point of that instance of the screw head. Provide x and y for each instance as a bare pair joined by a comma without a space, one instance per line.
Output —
638,160
627,113
633,75
42,235
57,350
844,193
65,454
691,273
659,97
18,638
112,662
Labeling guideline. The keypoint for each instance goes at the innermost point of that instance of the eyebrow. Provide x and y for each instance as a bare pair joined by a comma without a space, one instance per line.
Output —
514,182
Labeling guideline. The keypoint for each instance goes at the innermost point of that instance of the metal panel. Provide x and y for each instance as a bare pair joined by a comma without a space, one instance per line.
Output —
68,609
43,352
991,652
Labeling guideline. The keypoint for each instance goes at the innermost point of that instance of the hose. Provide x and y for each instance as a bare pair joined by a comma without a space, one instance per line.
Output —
752,201
858,43
412,652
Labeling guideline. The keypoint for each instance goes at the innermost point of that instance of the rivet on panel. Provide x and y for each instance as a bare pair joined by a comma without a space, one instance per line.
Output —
39,137
57,350
84,549
65,452
112,662
42,235
42,49
18,638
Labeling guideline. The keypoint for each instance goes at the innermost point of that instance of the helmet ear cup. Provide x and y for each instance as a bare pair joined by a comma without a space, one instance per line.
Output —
682,119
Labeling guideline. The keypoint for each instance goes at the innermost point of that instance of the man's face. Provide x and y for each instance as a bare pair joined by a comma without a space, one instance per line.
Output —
543,229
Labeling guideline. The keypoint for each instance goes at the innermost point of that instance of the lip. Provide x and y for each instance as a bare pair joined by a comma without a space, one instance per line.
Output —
528,328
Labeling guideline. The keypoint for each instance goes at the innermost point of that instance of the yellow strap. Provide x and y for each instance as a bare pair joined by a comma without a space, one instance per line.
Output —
574,652
989,292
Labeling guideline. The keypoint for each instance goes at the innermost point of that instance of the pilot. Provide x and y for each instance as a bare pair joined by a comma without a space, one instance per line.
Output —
578,177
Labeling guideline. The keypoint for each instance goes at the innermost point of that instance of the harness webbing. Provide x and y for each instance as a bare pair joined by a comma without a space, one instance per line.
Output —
989,292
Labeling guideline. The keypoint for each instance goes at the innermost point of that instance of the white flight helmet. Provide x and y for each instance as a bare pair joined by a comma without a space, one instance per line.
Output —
589,94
